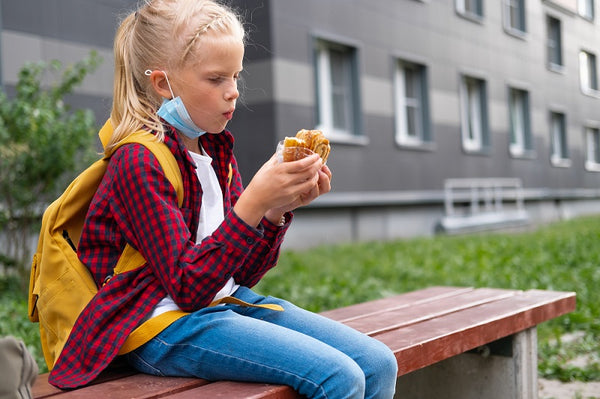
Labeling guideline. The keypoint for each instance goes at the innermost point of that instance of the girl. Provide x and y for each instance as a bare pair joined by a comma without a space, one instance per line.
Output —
177,63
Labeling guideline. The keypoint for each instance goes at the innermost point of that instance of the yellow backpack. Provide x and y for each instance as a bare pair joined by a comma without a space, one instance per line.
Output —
61,286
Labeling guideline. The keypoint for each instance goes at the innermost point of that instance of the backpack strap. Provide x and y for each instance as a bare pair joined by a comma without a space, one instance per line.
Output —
164,156
131,259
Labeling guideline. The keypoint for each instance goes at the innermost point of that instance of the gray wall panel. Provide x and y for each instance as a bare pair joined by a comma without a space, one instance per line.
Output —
89,22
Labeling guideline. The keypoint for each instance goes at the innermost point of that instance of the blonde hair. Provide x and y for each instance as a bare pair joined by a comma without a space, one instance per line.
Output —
161,34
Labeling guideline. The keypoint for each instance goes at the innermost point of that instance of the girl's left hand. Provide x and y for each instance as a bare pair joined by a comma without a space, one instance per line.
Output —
323,186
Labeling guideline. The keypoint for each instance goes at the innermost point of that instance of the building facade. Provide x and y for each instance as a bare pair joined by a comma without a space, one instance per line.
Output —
410,92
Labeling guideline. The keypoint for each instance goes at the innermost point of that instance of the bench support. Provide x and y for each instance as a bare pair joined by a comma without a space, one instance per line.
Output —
506,368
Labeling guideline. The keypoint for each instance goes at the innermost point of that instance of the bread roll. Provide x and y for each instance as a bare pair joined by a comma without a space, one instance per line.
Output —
304,144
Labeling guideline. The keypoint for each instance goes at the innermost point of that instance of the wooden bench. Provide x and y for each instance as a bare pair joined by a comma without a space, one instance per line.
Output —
450,342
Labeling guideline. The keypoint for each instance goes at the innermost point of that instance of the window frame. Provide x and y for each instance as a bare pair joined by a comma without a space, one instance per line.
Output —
462,8
592,146
554,45
588,73
508,7
559,146
419,103
474,121
521,137
325,91
586,9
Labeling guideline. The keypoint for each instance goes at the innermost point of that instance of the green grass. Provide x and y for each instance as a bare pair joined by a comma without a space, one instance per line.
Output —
563,256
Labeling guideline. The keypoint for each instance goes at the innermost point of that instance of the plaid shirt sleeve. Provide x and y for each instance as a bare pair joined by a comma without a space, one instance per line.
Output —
146,211
265,252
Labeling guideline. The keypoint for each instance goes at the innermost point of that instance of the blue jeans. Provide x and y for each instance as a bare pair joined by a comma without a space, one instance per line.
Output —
316,356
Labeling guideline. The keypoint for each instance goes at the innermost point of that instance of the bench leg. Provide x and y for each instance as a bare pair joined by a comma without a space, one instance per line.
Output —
504,369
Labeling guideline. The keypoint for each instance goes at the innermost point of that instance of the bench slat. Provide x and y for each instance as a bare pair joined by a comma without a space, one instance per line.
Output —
232,390
401,316
138,386
43,389
433,340
431,294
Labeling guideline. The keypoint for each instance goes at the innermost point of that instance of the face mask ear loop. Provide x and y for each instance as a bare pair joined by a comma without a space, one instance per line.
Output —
147,72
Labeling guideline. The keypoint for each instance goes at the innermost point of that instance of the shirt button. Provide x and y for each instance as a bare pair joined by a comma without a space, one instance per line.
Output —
250,240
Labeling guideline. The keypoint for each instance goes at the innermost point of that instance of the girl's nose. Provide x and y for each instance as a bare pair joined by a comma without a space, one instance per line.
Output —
232,92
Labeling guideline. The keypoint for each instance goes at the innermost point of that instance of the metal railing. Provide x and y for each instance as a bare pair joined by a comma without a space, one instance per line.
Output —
482,203
482,194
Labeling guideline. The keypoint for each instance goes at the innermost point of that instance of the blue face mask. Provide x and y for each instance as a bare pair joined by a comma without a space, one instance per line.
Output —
174,112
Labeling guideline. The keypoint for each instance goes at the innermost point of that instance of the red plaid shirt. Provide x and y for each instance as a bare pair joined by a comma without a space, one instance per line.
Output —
137,204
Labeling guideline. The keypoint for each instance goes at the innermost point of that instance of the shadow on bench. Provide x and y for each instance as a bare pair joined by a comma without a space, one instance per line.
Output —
450,342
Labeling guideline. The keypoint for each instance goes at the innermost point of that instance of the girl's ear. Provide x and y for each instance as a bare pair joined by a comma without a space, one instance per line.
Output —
160,84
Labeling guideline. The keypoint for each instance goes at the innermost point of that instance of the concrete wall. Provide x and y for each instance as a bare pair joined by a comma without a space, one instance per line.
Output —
315,226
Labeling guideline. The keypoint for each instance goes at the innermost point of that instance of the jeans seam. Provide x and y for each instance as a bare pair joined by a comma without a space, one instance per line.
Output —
140,359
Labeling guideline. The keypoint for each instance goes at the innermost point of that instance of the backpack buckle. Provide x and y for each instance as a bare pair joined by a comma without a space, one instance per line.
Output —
107,279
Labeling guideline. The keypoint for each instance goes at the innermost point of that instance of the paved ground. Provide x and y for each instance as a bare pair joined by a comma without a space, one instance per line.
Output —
551,389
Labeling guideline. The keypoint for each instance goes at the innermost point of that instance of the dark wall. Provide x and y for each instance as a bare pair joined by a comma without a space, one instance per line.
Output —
432,33
426,31
254,124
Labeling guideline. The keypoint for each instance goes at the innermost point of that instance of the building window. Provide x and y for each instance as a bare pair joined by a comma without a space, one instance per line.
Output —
588,72
337,88
520,122
585,8
412,110
558,131
474,124
592,139
514,16
554,49
470,8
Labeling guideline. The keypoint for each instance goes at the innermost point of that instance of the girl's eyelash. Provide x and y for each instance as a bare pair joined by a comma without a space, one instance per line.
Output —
220,78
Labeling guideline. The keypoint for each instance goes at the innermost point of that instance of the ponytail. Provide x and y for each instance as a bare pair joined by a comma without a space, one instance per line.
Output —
133,108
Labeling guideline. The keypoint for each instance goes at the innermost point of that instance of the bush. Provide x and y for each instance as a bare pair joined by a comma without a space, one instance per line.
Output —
44,144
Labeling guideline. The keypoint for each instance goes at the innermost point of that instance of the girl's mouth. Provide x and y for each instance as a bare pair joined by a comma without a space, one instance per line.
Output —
228,115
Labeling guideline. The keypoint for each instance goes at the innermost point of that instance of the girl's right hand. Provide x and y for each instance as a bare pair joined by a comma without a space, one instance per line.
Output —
278,185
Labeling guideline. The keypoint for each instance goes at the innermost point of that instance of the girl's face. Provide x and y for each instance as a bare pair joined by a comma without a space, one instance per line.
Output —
207,84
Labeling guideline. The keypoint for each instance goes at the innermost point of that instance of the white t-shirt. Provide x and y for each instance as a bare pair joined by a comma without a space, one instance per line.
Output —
211,216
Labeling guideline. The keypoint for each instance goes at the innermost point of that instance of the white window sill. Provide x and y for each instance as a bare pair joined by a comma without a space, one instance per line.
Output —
591,166
560,162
